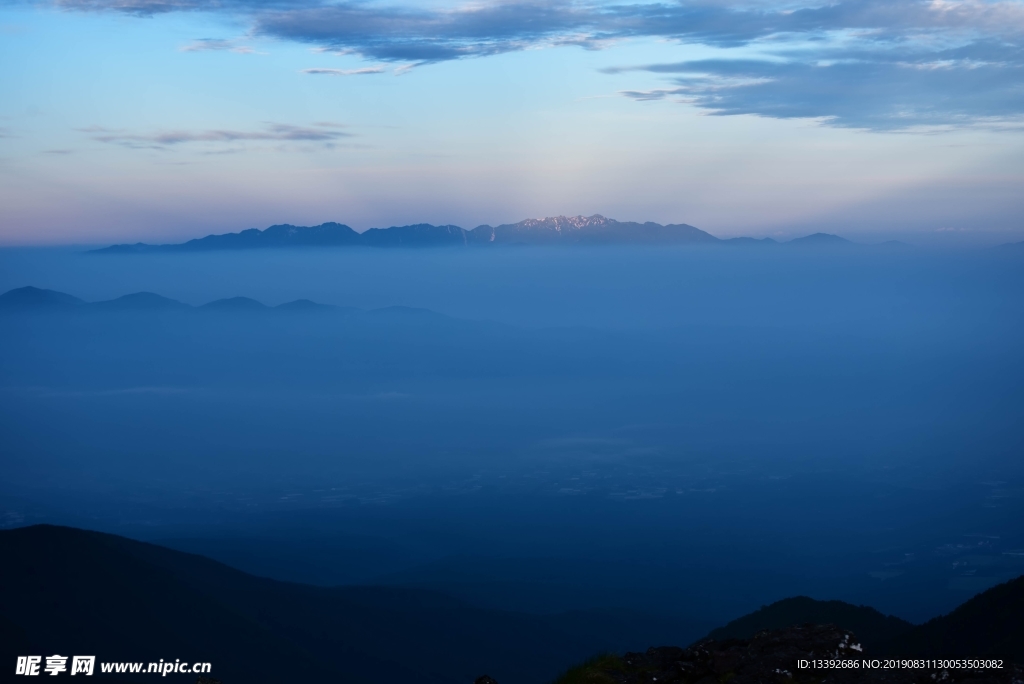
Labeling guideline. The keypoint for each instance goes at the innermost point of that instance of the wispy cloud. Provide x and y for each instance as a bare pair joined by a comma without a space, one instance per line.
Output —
870,63
325,133
344,72
216,45
903,88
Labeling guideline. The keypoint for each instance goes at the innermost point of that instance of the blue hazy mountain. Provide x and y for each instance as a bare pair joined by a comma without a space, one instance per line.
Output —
37,299
819,240
139,301
305,306
235,304
559,230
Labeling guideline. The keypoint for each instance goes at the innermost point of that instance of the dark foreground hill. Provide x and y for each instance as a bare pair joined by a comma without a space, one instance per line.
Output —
70,591
790,655
989,625
871,627
64,590
781,642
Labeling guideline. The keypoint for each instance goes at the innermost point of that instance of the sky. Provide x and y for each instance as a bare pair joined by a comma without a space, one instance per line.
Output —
163,120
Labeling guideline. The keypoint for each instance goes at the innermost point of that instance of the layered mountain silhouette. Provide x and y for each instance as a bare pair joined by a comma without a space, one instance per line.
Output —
558,230
65,590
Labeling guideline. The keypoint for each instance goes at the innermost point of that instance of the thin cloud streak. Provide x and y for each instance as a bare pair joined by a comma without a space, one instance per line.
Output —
216,45
273,132
344,72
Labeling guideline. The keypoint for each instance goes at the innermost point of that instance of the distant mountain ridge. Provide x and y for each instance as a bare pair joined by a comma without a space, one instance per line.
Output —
35,299
557,230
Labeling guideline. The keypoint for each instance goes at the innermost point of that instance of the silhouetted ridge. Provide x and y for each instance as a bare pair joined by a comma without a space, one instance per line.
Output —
556,230
284,235
594,229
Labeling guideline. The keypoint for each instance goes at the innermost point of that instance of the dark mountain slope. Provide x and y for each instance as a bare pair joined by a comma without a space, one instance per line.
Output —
67,590
870,626
990,624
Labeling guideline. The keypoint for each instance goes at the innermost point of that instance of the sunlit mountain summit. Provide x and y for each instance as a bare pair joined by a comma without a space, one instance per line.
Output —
594,229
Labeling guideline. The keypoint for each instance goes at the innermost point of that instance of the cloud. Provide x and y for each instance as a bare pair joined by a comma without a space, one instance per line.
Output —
321,133
217,44
893,90
344,72
870,63
424,36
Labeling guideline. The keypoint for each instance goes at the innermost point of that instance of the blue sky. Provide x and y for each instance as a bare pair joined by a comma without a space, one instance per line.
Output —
164,119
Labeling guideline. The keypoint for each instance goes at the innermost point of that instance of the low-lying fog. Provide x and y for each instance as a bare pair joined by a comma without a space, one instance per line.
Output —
681,431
